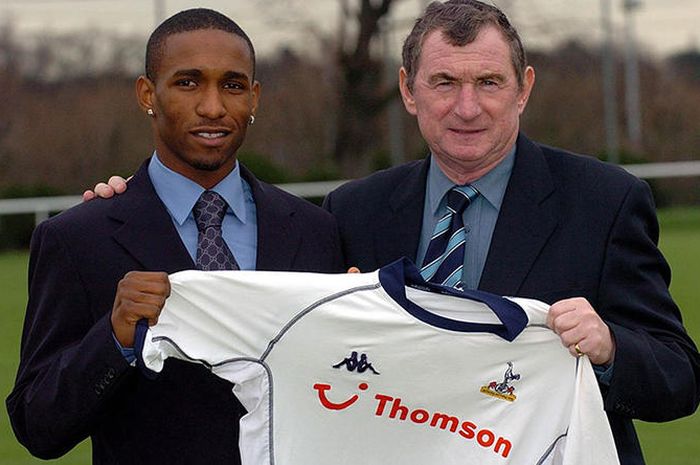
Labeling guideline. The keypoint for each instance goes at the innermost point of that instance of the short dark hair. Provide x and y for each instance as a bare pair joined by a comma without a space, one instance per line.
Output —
460,21
194,19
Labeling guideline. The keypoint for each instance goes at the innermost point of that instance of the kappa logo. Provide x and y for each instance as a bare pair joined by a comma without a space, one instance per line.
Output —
395,411
353,363
502,390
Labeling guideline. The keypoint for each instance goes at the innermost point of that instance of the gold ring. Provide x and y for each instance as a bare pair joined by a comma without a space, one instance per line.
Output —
578,350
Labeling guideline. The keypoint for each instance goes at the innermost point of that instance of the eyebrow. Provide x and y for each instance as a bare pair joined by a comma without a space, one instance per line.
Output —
441,76
493,76
198,72
187,72
236,75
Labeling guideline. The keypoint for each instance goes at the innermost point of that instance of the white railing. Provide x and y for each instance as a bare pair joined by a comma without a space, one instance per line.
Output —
42,207
673,169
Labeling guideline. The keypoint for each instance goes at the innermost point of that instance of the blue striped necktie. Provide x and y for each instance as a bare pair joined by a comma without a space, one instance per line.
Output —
444,258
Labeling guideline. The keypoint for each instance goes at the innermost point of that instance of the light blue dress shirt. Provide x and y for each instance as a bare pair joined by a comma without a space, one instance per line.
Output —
479,218
179,194
479,221
240,225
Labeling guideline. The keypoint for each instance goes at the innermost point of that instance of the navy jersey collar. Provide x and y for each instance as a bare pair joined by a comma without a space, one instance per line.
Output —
401,273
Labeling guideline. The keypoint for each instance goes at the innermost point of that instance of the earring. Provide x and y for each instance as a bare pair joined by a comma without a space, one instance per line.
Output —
251,120
150,112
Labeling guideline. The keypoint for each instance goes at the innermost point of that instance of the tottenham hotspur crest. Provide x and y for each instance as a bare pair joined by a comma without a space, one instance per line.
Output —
503,390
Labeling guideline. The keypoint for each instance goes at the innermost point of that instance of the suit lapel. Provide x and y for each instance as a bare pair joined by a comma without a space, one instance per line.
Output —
403,221
278,239
147,231
527,219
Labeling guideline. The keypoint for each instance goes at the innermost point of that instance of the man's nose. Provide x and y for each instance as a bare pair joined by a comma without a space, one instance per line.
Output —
467,105
211,105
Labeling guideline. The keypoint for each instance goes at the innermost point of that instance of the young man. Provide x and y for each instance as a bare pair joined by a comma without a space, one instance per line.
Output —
75,379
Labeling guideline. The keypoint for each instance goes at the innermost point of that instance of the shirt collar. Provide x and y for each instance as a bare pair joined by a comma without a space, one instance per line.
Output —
179,193
491,186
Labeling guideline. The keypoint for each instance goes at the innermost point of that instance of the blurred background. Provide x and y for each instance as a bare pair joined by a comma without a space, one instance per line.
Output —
616,79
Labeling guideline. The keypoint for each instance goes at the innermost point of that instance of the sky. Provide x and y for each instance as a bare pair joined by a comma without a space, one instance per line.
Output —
661,26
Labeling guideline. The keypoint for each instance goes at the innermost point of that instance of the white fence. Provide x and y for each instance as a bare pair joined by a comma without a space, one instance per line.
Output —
42,207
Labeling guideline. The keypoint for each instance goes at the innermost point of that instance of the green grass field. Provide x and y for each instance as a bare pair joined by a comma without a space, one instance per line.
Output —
674,443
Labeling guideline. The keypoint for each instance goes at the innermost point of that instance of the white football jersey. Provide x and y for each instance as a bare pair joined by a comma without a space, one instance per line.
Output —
382,368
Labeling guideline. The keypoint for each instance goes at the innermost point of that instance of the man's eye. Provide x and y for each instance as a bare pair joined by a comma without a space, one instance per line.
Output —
234,86
185,83
444,84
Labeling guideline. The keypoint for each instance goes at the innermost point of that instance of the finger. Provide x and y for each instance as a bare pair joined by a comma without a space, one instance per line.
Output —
353,269
577,349
131,312
131,287
147,280
137,286
131,296
576,325
558,309
88,195
117,183
103,190
571,337
125,316
565,322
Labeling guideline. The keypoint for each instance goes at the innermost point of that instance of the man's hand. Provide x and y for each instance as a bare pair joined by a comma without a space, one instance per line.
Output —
115,185
140,294
579,326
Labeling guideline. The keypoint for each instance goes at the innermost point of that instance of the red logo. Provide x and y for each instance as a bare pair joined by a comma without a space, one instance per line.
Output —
393,408
322,388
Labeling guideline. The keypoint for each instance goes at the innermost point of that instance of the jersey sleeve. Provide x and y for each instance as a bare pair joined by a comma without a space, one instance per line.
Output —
217,317
589,424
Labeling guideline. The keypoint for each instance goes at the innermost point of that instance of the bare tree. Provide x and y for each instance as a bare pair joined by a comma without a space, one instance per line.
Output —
9,81
362,98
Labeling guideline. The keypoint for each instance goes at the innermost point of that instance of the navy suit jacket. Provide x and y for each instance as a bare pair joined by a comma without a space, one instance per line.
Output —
73,382
569,226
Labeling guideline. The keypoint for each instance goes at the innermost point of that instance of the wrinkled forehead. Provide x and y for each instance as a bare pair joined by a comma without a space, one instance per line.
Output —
488,46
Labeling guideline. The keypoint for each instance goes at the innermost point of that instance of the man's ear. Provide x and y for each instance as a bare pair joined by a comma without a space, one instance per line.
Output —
145,94
256,89
528,84
406,94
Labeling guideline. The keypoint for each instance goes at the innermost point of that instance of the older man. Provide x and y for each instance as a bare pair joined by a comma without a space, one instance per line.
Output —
541,222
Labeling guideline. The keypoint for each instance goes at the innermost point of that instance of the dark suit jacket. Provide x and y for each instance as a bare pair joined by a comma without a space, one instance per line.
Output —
73,382
569,226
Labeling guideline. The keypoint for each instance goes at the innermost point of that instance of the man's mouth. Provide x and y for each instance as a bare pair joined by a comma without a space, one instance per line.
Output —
210,135
466,131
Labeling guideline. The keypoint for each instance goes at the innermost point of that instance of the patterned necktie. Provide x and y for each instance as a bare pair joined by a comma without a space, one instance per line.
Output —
212,251
444,258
